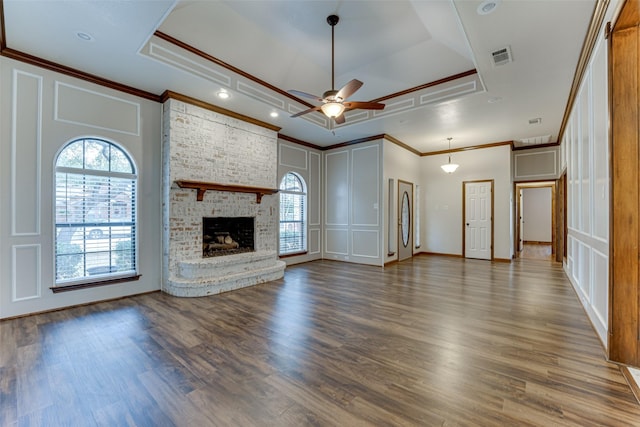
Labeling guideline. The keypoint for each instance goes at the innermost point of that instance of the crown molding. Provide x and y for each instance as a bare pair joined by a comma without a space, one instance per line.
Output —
72,72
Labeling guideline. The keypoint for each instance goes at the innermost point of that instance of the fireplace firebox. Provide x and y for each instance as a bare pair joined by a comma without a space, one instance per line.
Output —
227,235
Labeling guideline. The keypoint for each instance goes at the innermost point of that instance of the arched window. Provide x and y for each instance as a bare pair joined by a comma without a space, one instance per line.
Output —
95,205
293,215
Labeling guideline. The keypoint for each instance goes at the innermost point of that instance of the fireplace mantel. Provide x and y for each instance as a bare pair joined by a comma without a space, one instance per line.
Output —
202,188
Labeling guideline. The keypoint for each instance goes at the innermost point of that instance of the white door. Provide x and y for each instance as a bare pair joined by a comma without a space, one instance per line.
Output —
405,220
477,219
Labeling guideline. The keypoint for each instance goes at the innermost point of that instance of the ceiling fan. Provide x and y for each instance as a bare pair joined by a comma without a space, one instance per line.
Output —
334,102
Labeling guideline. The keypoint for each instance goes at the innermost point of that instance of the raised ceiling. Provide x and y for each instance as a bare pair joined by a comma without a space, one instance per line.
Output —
257,50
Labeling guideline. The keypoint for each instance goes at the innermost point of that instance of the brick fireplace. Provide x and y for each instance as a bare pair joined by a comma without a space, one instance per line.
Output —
226,155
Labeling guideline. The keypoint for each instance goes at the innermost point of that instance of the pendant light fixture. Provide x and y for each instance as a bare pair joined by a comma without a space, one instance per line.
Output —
449,167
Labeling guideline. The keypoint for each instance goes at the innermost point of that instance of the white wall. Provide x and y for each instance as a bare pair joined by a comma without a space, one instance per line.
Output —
45,110
353,204
442,199
585,148
307,163
536,213
399,164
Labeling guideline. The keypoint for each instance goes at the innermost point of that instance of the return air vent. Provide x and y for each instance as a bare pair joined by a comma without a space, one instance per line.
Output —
502,56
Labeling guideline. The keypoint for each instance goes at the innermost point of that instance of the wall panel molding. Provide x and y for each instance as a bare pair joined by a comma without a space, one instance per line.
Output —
367,244
80,106
26,154
26,273
290,160
336,178
535,165
316,179
336,241
314,237
365,185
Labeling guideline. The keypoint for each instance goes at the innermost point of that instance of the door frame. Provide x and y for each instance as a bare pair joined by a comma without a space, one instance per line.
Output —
464,214
517,186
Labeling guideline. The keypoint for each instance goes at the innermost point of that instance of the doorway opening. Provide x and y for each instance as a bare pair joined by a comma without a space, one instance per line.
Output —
535,220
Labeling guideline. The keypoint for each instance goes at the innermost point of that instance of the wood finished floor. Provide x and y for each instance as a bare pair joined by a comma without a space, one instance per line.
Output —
433,341
537,251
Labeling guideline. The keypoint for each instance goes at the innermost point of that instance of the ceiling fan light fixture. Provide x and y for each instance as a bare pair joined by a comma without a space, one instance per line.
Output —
334,102
332,109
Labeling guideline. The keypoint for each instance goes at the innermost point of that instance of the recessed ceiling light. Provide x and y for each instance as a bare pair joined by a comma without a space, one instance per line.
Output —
274,114
487,6
223,94
84,36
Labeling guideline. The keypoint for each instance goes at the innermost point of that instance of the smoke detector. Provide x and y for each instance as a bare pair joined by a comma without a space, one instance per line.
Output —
502,56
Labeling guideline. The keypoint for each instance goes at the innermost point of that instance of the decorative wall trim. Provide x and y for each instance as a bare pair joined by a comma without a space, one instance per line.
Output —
317,179
346,178
316,250
33,141
326,239
300,142
260,95
427,85
401,144
377,247
529,147
376,181
230,67
469,148
35,268
68,71
412,98
588,45
289,147
538,175
181,62
58,99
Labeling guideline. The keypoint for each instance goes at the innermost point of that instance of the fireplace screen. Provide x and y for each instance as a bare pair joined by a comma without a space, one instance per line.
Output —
227,235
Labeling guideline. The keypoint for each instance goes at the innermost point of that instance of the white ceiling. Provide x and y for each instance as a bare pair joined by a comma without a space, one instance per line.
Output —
390,45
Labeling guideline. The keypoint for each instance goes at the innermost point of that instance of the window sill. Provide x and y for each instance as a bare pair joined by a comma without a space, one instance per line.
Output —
293,254
85,285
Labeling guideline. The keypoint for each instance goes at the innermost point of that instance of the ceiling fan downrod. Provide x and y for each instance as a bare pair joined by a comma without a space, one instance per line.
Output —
332,20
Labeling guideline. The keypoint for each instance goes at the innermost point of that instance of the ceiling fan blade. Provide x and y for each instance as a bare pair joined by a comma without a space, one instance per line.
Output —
349,89
364,105
306,111
340,119
304,95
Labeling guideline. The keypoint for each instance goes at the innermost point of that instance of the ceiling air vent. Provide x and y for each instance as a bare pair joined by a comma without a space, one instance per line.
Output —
502,56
